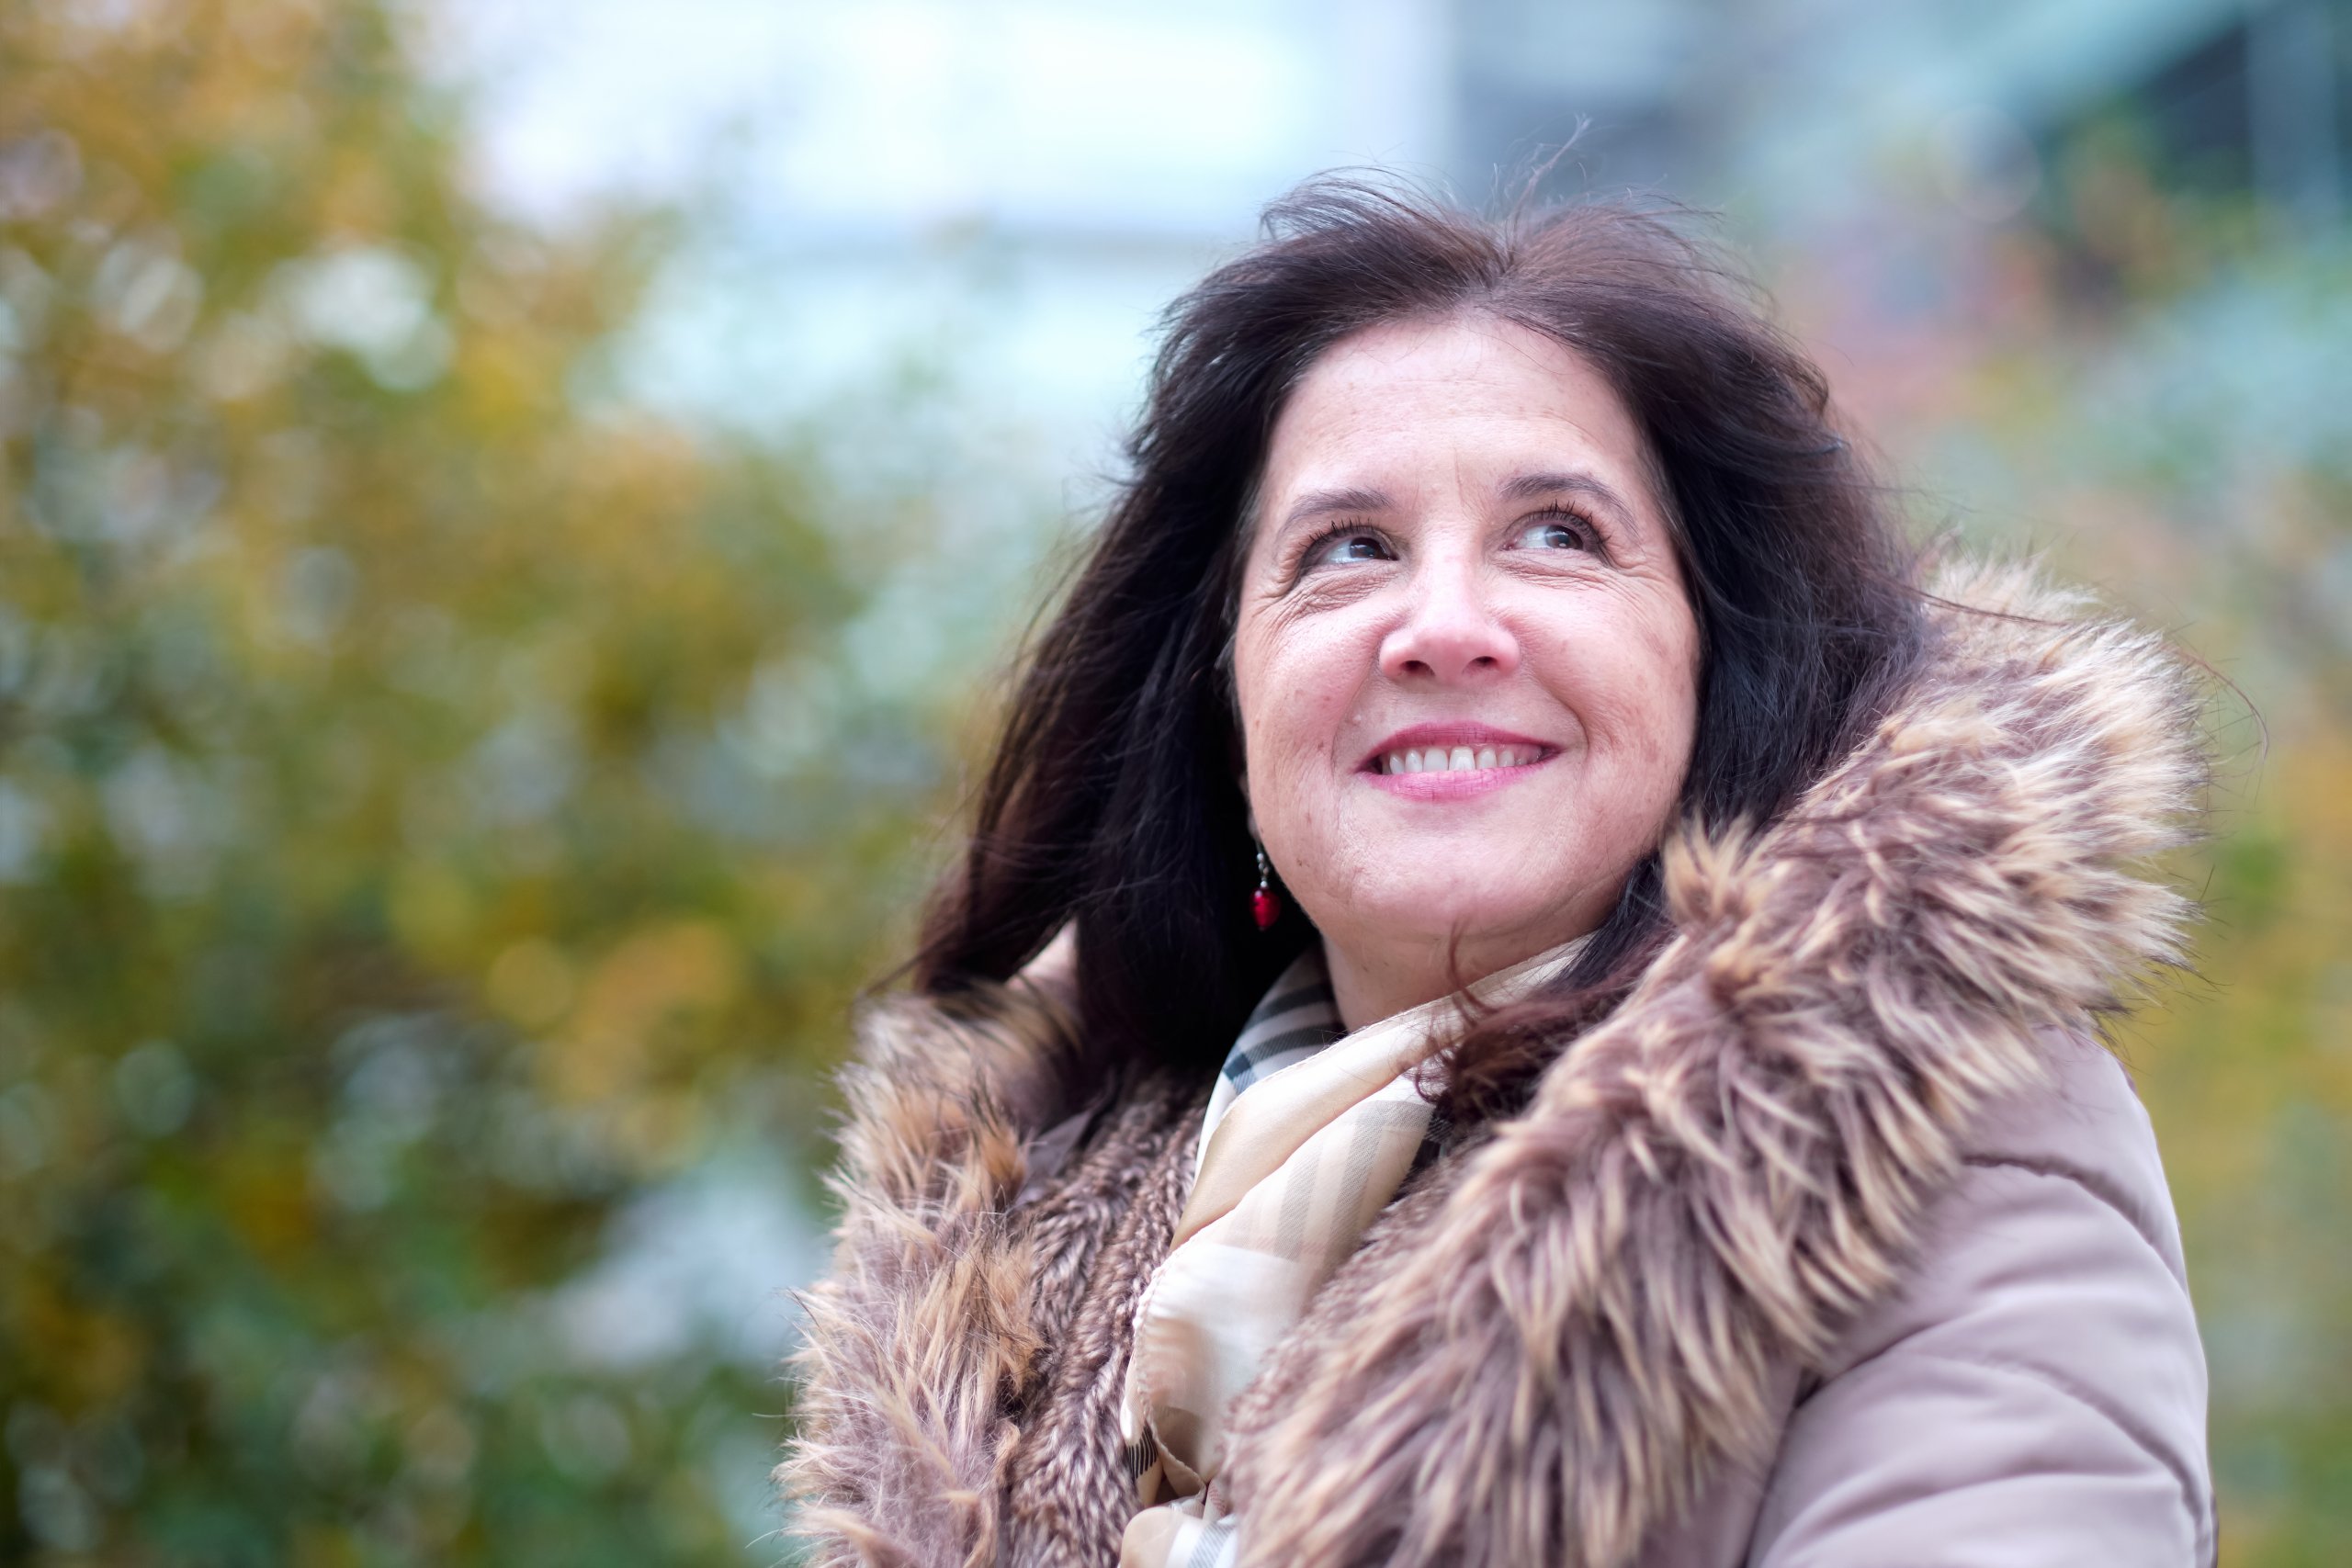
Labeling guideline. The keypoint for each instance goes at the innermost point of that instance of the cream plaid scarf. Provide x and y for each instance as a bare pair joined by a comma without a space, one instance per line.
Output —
1307,1138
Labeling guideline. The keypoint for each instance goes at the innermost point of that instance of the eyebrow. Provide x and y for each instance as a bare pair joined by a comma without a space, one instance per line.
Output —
1522,487
1323,503
1533,487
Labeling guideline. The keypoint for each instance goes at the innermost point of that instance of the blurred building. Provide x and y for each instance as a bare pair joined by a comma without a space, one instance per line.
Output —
1805,108
987,202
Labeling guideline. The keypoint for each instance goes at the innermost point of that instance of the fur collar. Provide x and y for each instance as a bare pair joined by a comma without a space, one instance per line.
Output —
1544,1352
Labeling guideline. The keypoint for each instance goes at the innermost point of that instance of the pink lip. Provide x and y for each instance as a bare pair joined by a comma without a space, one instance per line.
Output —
1451,786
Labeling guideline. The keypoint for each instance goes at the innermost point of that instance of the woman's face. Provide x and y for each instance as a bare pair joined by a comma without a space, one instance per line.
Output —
1466,665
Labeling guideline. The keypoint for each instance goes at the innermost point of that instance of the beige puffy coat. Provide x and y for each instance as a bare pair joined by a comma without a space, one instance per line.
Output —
1841,1244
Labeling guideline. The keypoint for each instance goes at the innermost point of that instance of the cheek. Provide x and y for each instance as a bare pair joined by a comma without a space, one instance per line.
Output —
1632,678
1666,691
1669,686
1294,681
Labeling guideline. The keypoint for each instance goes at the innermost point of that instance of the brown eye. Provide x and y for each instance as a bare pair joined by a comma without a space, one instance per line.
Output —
1555,533
1353,545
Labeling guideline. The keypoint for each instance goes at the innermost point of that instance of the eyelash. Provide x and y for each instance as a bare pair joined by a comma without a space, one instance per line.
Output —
1582,524
1314,545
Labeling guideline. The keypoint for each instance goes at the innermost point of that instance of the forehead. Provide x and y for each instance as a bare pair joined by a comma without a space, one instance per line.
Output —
1466,392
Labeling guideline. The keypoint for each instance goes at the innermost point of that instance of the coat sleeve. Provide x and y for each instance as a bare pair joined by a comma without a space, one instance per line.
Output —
2036,1394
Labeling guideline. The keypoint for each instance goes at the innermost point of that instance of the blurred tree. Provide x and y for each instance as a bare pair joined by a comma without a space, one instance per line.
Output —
407,763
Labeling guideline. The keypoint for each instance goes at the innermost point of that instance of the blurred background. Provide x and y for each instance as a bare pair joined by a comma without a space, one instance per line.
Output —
514,518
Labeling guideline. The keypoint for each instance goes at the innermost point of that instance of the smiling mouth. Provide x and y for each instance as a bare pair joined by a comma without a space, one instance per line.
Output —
1458,759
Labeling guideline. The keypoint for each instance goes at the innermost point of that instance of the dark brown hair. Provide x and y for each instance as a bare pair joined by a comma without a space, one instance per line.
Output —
1112,798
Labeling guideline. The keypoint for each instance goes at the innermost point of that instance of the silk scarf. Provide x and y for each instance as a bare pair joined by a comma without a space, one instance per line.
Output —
1308,1135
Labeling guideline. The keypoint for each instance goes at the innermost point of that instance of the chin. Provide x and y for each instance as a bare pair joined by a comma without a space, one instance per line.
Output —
1443,910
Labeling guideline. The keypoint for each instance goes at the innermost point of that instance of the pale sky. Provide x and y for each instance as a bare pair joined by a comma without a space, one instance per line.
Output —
996,196
1126,115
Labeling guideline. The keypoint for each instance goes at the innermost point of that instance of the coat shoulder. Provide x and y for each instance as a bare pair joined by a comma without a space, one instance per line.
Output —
2087,1126
2046,1327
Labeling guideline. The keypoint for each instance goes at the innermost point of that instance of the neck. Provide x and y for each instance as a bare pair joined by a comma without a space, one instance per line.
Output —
1369,986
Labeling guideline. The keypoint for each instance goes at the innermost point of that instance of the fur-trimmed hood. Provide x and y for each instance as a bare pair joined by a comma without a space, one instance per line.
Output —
1549,1348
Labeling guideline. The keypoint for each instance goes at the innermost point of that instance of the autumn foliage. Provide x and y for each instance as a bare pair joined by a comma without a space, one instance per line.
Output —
416,837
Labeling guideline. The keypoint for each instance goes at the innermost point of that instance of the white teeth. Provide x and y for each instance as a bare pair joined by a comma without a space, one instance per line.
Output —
1458,759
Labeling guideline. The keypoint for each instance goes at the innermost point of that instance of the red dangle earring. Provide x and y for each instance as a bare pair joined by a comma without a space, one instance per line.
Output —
1264,906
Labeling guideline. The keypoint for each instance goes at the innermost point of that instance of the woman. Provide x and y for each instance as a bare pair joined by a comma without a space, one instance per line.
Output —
1495,606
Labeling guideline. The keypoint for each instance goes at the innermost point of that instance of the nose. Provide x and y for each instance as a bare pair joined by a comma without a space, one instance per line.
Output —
1450,632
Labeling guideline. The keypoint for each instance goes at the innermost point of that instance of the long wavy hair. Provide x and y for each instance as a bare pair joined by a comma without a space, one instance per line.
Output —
1112,800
